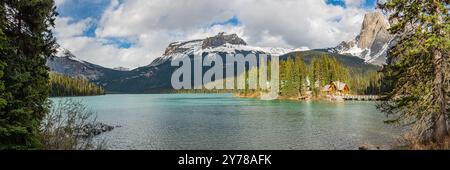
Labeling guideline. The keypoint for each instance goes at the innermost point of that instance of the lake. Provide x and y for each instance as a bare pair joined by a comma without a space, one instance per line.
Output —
221,121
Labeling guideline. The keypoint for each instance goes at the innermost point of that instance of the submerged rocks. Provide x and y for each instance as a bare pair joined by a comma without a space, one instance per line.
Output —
90,130
373,147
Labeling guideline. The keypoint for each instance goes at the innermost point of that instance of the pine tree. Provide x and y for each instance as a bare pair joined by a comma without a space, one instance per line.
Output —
300,70
27,41
289,89
295,76
417,70
282,76
315,75
3,49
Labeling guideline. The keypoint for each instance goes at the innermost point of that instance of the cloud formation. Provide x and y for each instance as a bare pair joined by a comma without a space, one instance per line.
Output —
149,26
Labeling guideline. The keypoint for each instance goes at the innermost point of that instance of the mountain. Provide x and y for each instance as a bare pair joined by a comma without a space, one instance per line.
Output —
69,65
156,77
373,41
221,43
356,64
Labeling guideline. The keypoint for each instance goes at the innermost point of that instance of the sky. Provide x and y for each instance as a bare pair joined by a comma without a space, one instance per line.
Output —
132,33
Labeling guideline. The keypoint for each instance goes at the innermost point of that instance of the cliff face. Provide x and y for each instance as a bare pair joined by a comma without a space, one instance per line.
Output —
374,30
222,39
373,41
210,42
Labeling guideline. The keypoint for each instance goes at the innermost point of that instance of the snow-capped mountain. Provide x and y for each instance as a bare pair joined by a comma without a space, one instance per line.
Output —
221,43
68,64
156,77
373,41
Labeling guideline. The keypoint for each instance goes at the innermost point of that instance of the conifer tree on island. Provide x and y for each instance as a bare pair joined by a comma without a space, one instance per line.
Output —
417,70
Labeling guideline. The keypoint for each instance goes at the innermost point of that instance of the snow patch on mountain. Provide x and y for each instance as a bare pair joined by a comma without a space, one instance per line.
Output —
221,43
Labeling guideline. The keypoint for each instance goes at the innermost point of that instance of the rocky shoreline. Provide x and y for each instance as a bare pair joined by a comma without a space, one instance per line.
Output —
91,130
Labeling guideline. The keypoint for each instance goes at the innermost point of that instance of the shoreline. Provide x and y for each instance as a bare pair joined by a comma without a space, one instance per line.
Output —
300,98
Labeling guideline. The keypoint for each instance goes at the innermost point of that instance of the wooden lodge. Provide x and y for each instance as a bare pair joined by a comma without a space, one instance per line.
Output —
336,88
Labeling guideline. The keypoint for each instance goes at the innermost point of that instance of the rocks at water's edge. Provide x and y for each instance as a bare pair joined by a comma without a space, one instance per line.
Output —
373,147
90,130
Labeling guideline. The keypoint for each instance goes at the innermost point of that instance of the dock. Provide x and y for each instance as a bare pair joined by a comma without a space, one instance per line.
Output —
362,97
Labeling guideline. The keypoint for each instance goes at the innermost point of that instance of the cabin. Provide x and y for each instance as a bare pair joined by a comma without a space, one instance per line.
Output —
329,88
336,88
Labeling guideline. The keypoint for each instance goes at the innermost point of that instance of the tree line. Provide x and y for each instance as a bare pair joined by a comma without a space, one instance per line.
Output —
298,78
62,85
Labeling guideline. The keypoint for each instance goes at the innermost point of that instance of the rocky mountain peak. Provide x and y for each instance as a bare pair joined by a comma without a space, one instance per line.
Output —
375,26
68,64
222,39
68,54
179,47
373,41
210,42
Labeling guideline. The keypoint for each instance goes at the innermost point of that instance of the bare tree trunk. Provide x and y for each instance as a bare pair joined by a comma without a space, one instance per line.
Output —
440,81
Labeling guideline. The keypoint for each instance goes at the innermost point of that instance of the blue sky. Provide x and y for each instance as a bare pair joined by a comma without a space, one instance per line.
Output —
82,9
232,21
132,33
365,4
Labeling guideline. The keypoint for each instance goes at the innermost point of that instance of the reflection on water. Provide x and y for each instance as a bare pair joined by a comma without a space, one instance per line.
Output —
221,121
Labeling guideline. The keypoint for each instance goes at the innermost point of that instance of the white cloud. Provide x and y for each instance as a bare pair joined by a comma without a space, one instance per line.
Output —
152,25
66,27
59,2
354,3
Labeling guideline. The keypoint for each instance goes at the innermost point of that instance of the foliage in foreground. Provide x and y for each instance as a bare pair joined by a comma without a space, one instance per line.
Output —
62,128
417,72
26,40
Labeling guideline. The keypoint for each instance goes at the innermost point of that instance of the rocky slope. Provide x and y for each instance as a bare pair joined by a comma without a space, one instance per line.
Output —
68,64
373,41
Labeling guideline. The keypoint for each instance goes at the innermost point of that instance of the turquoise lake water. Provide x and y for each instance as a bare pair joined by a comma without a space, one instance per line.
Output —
221,121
